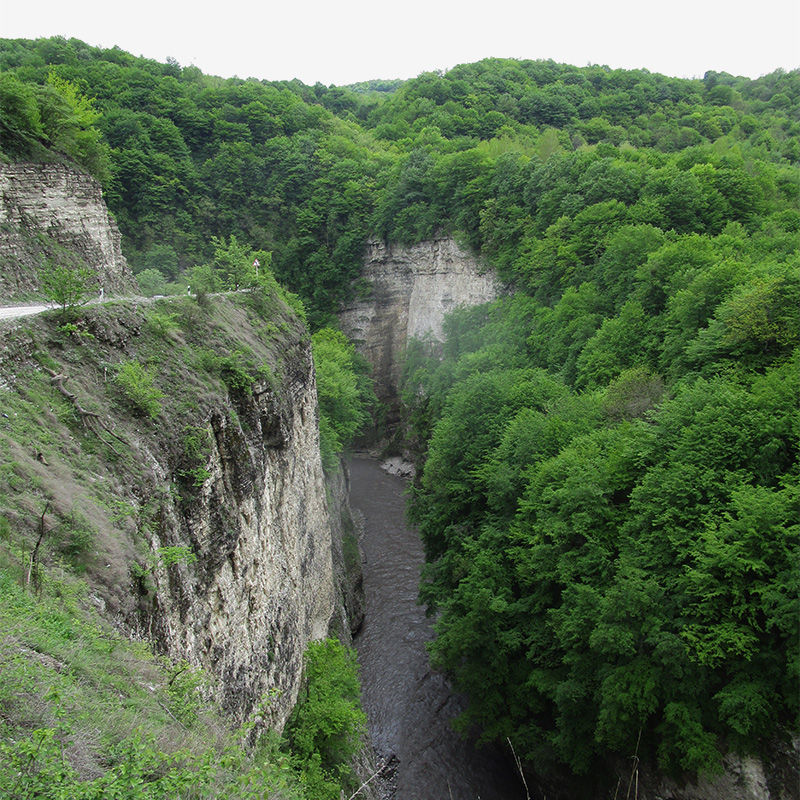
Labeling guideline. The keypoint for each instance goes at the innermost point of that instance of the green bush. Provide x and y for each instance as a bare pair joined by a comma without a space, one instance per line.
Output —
75,538
186,688
136,383
325,730
151,282
197,449
66,285
234,373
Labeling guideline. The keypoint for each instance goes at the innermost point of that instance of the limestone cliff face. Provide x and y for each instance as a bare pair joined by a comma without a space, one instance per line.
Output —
239,559
52,211
263,584
410,290
214,533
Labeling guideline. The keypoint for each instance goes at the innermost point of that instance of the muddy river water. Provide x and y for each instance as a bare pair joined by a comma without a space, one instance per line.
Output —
408,706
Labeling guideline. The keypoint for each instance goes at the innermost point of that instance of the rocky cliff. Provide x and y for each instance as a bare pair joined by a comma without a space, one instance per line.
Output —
52,212
407,292
201,516
259,524
208,525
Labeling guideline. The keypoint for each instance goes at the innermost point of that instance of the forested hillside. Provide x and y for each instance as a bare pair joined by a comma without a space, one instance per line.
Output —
608,487
497,151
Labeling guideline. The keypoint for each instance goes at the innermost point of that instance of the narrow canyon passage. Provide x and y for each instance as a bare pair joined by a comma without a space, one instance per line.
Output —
409,707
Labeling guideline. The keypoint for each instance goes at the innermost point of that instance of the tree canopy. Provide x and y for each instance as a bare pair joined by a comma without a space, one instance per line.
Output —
497,151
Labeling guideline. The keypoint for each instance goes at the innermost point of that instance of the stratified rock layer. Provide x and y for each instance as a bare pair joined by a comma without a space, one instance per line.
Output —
411,288
51,212
263,585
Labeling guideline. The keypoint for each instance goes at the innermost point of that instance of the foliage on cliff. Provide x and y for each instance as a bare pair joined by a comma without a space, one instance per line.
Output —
88,714
326,730
344,390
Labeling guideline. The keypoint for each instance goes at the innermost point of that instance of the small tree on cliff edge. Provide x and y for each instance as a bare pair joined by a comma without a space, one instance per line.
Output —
68,286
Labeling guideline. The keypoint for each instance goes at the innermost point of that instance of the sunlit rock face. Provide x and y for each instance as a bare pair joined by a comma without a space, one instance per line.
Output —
52,212
407,290
263,584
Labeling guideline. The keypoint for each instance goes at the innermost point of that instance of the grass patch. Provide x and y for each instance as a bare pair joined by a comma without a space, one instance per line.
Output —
87,713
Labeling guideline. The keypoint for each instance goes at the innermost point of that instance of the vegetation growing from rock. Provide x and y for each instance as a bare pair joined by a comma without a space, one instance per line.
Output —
344,392
88,709
327,728
64,669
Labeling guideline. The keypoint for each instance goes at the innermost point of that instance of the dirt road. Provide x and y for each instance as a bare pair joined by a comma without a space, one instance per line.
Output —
21,311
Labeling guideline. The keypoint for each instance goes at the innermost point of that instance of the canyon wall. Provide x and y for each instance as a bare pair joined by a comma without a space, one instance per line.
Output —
210,528
51,212
263,584
407,292
232,558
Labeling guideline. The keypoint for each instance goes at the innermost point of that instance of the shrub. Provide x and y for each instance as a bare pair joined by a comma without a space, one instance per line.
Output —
324,732
151,282
75,537
233,370
136,383
66,285
197,449
186,691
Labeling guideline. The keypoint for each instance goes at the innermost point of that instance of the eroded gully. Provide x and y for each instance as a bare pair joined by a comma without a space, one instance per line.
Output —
409,707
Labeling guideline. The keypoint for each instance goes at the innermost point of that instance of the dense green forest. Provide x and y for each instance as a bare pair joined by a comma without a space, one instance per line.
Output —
496,151
608,489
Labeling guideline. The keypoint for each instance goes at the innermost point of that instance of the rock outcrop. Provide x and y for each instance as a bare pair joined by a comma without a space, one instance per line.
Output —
409,291
52,212
263,585
214,531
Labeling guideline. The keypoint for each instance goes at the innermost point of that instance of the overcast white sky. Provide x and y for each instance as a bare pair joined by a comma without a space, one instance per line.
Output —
353,40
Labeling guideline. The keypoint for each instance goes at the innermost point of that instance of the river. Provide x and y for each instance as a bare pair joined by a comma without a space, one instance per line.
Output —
408,706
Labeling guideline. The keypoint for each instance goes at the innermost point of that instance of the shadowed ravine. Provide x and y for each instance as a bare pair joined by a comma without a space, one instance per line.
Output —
409,707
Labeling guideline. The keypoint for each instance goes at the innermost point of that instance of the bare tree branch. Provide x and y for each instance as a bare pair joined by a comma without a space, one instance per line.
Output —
90,419
35,552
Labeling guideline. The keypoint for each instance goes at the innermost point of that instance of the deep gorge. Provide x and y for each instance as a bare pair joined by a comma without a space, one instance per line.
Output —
410,708
606,487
